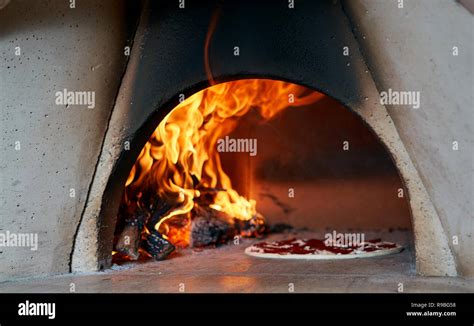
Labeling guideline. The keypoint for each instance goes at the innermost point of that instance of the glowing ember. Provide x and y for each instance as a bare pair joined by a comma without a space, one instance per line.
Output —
180,163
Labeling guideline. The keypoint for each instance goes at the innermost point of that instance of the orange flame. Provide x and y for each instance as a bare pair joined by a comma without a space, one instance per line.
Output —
182,150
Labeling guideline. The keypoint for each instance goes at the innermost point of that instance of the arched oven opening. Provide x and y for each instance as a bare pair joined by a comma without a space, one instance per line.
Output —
250,160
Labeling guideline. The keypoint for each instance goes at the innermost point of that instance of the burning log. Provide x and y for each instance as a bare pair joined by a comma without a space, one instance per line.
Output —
128,242
157,246
154,243
207,195
210,227
251,228
158,208
129,239
148,211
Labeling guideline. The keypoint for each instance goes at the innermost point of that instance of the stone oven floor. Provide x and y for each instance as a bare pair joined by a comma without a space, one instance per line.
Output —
228,270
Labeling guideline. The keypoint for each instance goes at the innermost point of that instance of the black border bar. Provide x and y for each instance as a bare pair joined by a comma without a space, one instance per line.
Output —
152,307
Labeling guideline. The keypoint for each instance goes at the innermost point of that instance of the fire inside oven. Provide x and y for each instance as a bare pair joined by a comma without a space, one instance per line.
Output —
251,158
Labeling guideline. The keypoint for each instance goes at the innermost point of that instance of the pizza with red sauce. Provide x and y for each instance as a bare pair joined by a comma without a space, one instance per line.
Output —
317,249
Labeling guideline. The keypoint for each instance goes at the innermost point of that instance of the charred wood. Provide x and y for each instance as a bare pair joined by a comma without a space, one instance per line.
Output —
129,239
157,246
210,227
253,227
